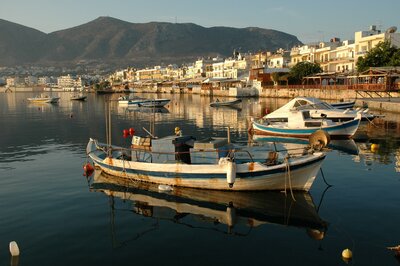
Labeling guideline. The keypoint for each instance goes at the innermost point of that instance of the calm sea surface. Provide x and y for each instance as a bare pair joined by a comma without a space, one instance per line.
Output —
57,217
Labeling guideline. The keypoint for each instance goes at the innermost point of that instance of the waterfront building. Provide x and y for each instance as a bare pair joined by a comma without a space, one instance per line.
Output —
69,83
173,72
15,82
325,55
232,68
280,59
201,67
259,60
31,80
43,81
149,74
302,53
343,58
366,40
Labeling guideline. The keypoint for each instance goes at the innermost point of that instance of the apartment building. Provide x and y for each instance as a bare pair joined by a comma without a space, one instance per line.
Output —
280,59
337,56
69,82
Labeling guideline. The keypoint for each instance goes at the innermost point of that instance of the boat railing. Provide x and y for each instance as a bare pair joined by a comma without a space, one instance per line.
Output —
212,156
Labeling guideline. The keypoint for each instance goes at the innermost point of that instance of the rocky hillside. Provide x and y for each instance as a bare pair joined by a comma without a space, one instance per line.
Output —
113,41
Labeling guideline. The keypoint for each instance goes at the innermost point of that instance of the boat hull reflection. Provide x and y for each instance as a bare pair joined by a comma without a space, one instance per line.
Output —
231,208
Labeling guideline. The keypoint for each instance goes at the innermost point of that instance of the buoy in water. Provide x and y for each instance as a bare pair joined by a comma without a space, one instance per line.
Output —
14,249
347,254
374,147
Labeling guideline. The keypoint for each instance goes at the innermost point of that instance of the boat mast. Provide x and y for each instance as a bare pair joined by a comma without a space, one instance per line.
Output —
107,113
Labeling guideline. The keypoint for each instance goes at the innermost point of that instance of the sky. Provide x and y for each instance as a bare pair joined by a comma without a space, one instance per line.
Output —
310,21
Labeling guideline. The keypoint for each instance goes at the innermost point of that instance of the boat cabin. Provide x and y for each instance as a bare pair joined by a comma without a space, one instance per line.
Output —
303,119
184,149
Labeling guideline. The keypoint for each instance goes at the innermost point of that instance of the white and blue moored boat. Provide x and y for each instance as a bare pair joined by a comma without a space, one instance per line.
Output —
206,164
301,125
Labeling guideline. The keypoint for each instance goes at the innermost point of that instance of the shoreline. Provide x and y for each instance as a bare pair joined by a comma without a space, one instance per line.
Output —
381,100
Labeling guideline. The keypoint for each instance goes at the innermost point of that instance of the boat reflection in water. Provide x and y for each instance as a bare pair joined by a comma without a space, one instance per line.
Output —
231,210
162,110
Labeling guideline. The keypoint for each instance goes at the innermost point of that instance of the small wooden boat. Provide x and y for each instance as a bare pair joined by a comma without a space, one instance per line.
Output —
44,99
218,103
301,125
154,103
78,98
207,164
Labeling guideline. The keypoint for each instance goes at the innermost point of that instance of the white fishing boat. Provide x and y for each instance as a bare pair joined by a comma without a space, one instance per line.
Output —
300,124
43,98
211,164
317,109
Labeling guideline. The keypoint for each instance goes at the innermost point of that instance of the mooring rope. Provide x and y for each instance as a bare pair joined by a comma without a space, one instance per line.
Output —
289,177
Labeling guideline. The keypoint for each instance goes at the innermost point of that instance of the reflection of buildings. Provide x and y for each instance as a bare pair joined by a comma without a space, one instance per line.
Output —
397,158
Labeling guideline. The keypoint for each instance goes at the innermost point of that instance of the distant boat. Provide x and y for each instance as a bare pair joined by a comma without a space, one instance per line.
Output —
142,102
44,99
225,103
317,109
78,98
344,105
301,125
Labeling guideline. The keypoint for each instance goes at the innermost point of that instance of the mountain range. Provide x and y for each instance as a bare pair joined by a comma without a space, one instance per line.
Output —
113,41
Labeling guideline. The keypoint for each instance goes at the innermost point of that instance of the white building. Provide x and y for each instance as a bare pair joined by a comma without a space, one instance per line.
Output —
44,80
366,40
69,83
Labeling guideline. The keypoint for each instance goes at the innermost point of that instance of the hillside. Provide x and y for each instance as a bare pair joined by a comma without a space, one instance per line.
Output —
113,41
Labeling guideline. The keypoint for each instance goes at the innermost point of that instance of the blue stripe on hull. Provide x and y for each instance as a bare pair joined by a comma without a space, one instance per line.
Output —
247,175
261,129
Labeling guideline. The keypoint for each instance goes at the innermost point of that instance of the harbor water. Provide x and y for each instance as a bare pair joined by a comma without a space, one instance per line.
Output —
58,216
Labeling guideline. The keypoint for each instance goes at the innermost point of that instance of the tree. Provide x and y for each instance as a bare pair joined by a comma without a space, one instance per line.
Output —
381,55
303,69
279,77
